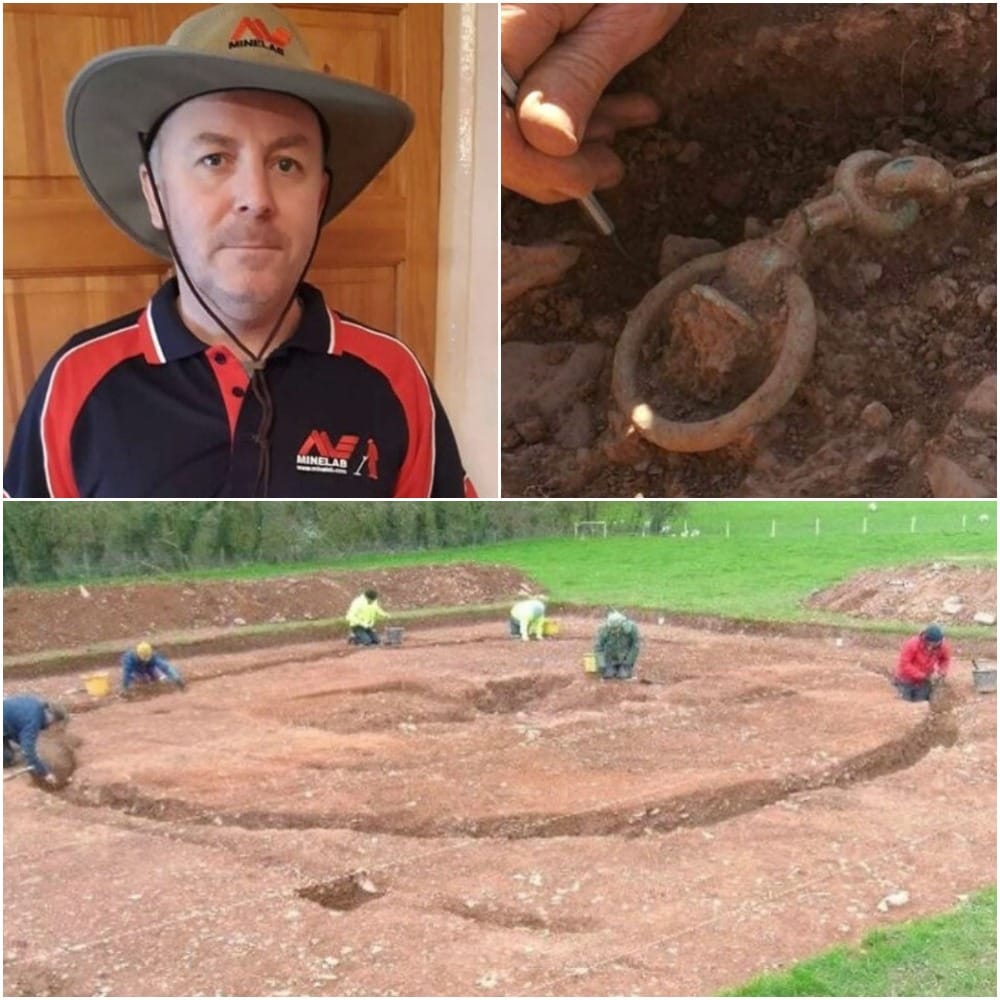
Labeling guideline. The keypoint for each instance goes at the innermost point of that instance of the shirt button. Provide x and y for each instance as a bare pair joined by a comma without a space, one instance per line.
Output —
238,392
220,358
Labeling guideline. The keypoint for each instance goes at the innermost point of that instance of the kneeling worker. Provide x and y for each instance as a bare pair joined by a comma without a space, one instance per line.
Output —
923,658
24,717
527,619
617,647
145,665
362,616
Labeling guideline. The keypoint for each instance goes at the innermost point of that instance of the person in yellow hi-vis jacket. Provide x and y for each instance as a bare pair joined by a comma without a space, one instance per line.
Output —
362,616
527,618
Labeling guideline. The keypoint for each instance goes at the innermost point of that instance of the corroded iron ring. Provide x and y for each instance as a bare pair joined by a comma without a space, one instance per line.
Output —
706,435
868,217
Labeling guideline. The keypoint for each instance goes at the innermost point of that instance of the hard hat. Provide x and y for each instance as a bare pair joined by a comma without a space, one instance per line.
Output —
616,619
144,651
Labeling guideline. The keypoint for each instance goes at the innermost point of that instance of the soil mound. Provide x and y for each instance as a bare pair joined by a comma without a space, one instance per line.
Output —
36,619
942,592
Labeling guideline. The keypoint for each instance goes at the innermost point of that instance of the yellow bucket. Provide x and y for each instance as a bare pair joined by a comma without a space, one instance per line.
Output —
550,626
589,663
97,685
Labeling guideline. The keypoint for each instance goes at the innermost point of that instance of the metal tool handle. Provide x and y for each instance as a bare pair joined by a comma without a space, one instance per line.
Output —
590,204
507,85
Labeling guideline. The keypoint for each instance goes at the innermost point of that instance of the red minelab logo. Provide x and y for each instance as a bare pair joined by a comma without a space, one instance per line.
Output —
251,32
318,453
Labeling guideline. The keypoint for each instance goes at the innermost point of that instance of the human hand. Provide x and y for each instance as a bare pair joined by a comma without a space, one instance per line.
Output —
556,145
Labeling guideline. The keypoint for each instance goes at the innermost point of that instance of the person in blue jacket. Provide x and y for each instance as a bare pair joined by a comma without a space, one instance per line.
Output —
146,665
24,717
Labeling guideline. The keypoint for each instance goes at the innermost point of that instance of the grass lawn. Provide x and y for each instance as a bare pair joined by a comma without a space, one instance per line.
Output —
954,954
752,560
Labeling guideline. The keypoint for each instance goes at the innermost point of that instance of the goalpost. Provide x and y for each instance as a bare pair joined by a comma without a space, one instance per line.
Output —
590,529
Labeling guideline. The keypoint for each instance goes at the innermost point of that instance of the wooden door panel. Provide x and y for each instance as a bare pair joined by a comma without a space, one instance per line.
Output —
67,267
367,294
43,48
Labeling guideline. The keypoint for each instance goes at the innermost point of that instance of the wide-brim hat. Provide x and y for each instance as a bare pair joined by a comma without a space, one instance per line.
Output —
123,94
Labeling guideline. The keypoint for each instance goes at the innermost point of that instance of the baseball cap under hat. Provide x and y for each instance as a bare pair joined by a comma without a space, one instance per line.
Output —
933,634
121,95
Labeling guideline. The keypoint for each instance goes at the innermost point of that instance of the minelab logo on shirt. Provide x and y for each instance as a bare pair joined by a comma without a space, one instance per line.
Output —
251,32
319,454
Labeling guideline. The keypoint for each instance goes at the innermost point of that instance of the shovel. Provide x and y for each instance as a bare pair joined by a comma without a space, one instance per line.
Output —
15,773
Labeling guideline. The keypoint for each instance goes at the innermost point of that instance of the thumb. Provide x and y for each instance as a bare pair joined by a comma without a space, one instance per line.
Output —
560,91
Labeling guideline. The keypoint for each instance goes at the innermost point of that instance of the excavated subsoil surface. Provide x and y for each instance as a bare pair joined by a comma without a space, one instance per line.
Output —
469,814
761,103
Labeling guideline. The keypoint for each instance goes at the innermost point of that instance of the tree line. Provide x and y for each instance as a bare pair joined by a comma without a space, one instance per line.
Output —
83,540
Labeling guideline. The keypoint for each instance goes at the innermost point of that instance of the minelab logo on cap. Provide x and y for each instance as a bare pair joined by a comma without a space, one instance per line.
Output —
319,454
251,32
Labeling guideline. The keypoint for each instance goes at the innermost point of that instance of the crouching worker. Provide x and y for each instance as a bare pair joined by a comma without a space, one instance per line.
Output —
617,647
923,659
24,717
145,665
362,616
527,619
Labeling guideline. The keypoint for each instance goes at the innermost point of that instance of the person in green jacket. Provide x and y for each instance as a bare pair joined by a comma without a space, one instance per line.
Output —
617,647
362,616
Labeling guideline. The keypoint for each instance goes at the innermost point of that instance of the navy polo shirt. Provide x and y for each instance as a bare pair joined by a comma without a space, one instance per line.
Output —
140,407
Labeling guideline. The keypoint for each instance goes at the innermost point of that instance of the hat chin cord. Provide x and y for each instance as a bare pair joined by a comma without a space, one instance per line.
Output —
255,365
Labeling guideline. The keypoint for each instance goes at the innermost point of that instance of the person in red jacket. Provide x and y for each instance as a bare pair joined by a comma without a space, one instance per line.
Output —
922,659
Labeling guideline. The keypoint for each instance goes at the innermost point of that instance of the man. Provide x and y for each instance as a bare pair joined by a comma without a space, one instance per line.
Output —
617,647
224,152
923,659
24,717
557,142
362,616
145,665
527,619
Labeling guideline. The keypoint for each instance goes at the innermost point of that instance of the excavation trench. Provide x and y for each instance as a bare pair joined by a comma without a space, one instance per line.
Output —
701,808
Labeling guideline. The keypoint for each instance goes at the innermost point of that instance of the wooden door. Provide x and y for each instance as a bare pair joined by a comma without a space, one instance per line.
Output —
66,267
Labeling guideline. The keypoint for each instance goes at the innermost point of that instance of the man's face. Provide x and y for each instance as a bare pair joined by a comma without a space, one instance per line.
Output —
240,175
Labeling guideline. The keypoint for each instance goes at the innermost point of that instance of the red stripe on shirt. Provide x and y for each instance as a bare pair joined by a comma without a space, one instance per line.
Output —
74,378
399,365
232,380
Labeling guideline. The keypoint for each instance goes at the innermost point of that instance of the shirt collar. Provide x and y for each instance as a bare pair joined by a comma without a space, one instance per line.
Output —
172,340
